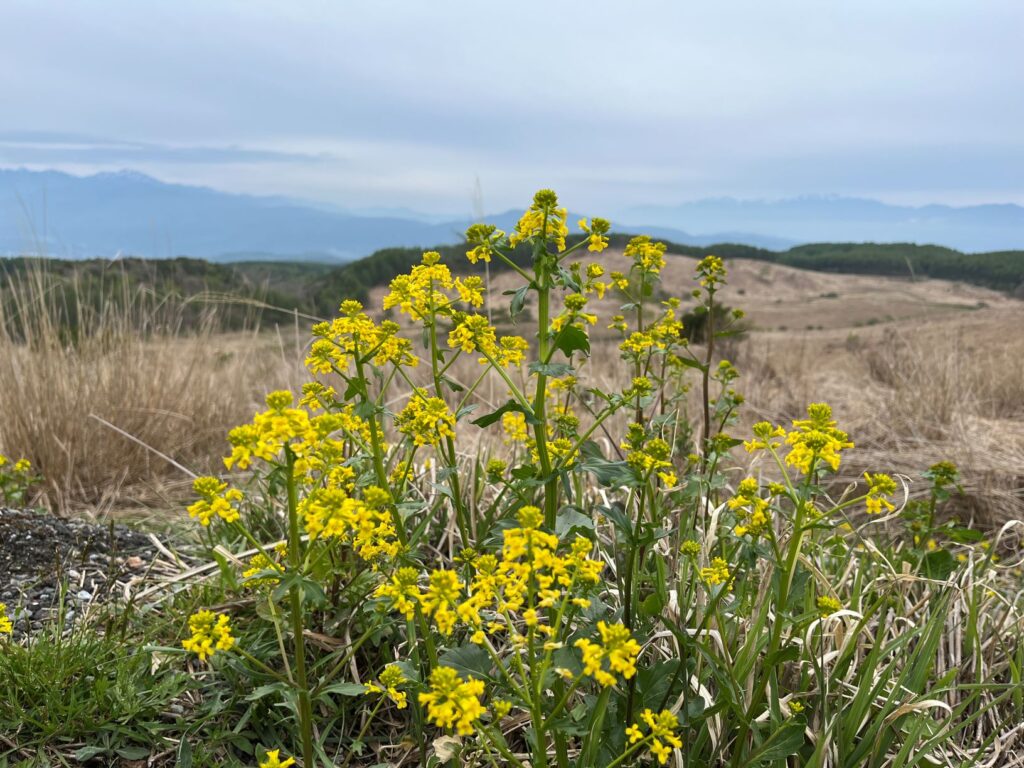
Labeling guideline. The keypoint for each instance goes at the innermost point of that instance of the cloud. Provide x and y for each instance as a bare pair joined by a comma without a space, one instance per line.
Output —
403,103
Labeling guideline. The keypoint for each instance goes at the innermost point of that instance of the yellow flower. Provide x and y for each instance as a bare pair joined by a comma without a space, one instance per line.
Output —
617,648
402,591
662,736
827,605
514,424
598,231
426,419
6,627
453,702
646,255
273,760
717,573
816,439
210,633
442,596
216,500
879,486
390,679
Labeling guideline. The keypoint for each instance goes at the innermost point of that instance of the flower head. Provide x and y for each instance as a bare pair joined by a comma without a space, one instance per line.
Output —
453,702
210,633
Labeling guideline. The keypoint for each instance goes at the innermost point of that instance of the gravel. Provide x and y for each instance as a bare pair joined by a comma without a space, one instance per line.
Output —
43,556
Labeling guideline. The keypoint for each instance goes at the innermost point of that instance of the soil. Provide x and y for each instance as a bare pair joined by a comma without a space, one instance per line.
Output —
48,561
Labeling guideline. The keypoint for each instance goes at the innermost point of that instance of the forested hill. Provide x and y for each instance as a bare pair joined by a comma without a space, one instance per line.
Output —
313,289
1002,270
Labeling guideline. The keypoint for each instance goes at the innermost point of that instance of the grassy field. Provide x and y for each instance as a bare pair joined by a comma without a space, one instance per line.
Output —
916,662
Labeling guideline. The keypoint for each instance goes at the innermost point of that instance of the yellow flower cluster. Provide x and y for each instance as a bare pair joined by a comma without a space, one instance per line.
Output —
598,230
21,466
648,455
647,256
453,702
260,562
388,683
474,333
879,487
662,736
215,499
273,760
716,573
827,605
617,648
6,627
270,431
425,419
210,633
711,271
544,219
353,335
483,238
754,510
366,524
529,565
816,438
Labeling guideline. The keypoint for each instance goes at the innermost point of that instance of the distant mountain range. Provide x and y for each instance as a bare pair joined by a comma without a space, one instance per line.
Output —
822,218
130,213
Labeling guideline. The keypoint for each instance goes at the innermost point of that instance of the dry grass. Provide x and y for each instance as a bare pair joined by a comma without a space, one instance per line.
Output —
946,381
133,368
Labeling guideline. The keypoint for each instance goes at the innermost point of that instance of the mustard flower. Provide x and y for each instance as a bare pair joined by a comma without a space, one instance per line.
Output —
216,500
388,683
441,597
827,605
717,573
453,702
273,760
544,218
879,487
647,256
426,419
711,270
210,633
617,648
514,424
662,736
6,627
598,231
402,591
751,507
816,439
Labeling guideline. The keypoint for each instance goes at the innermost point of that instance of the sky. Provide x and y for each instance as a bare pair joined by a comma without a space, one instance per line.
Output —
614,104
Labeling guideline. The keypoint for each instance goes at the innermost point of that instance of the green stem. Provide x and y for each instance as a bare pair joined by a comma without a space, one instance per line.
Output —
298,631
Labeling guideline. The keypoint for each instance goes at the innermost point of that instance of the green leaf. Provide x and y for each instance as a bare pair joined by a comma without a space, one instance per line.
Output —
184,758
468,660
345,689
133,753
786,741
572,339
266,690
512,405
939,564
572,519
613,474
554,370
518,301
88,753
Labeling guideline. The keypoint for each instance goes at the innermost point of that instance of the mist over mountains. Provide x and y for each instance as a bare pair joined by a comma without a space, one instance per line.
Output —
67,216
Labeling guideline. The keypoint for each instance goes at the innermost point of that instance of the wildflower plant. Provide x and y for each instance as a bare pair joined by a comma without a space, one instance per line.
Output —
556,600
17,477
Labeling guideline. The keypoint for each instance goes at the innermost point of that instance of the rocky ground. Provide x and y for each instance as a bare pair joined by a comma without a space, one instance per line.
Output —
48,563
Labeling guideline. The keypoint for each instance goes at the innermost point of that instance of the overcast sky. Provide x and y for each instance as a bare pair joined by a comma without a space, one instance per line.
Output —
611,103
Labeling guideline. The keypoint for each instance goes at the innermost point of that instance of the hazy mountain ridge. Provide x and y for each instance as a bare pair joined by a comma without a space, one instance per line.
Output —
128,212
814,218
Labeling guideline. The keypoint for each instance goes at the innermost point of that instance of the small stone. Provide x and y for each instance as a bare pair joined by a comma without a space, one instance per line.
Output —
84,595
